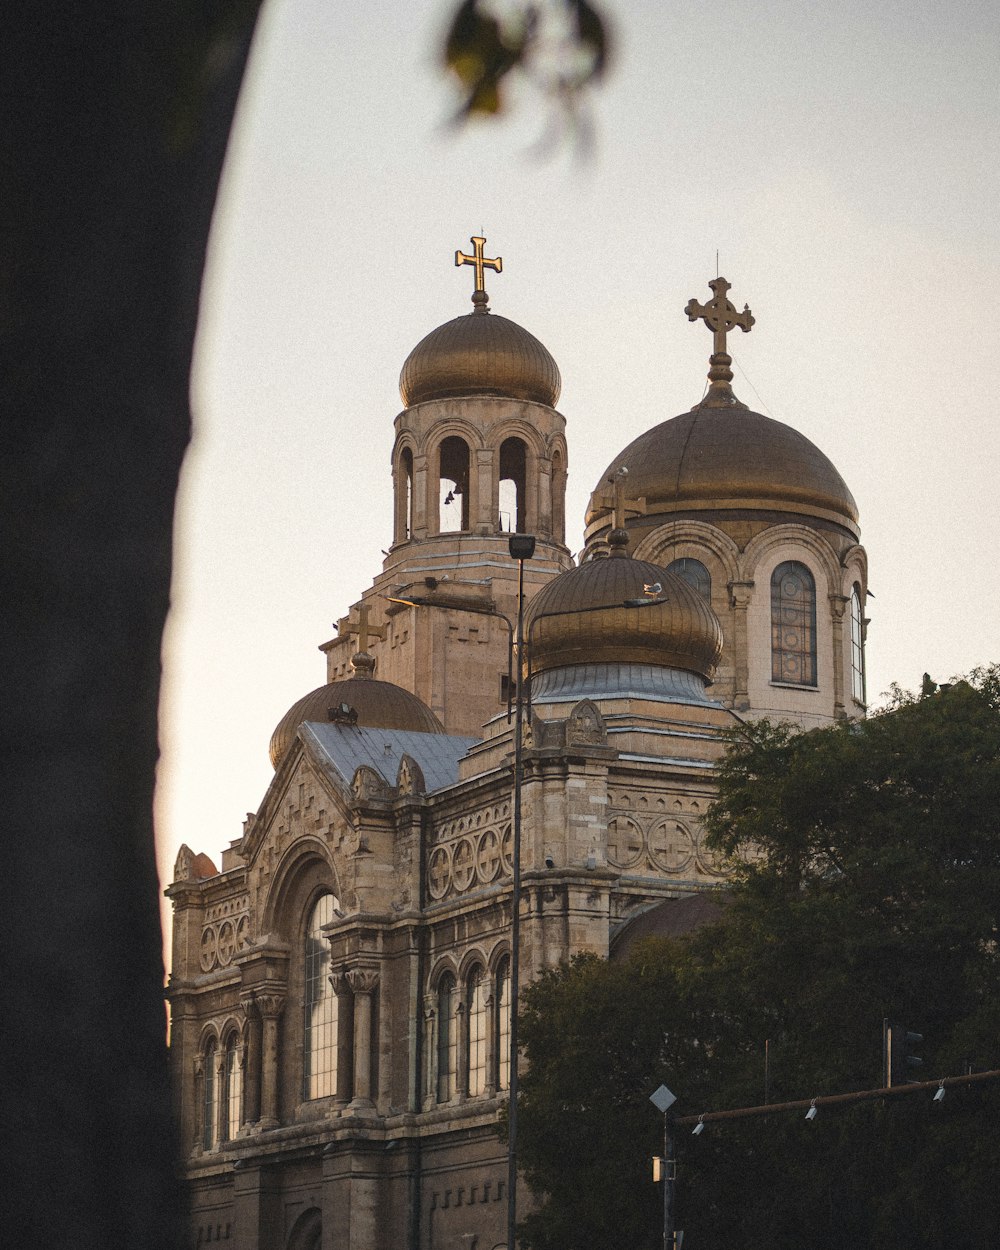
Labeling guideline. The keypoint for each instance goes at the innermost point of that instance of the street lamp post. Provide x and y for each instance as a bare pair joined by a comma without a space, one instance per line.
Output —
664,1100
522,547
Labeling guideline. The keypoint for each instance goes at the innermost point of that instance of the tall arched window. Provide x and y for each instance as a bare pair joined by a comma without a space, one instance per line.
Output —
475,1003
454,486
513,468
857,646
695,574
406,494
447,1055
231,1101
793,624
210,1090
501,1023
319,1068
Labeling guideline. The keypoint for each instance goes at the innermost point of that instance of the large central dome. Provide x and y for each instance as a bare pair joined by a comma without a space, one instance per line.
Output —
731,458
480,354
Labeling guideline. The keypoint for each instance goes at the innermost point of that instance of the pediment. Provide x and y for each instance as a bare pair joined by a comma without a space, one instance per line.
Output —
303,800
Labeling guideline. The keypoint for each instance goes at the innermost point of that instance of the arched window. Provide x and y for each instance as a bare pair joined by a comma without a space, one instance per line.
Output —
447,1055
210,1102
319,1068
454,486
406,494
695,574
857,646
513,462
501,1023
793,625
475,1003
231,1101
558,497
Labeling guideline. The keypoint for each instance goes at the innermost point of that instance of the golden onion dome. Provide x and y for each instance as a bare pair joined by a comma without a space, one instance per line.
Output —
580,618
480,354
727,457
378,705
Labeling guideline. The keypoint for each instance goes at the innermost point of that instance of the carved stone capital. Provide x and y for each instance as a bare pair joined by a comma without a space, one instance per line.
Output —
740,594
838,606
362,980
271,1004
338,979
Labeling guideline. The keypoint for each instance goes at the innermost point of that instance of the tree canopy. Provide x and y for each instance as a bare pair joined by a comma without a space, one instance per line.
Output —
865,884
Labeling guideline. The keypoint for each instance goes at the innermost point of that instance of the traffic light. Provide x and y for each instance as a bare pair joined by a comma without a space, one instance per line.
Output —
898,1059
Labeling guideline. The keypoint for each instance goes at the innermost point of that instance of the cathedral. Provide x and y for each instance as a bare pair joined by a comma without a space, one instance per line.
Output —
341,984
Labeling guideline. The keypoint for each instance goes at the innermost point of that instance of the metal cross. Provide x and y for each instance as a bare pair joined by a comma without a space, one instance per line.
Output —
362,630
480,261
615,502
720,315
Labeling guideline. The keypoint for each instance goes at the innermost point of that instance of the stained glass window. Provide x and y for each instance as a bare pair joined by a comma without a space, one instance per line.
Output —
695,574
476,1007
447,1039
320,1031
857,647
502,1024
793,625
209,1091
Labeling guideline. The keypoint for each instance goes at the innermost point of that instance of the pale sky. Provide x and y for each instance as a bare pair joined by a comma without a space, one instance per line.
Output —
842,160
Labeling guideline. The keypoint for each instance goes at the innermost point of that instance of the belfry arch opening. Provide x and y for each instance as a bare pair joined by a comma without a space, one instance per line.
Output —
404,498
513,475
453,486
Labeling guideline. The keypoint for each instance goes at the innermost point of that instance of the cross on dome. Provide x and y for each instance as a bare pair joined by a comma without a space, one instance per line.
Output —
364,632
721,317
481,264
616,502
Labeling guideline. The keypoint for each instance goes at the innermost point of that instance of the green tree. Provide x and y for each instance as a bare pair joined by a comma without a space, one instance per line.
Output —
866,883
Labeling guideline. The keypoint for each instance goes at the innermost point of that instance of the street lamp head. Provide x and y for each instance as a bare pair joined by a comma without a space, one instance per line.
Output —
521,546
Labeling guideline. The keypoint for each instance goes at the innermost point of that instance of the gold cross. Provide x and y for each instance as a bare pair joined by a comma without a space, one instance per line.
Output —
614,500
362,630
720,315
480,261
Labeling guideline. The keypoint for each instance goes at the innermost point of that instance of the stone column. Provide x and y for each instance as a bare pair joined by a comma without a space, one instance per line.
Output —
251,1060
492,1007
199,1104
486,517
345,1038
271,1006
422,483
430,1051
838,609
363,983
740,594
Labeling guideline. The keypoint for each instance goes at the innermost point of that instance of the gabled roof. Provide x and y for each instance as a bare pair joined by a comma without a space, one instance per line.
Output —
348,747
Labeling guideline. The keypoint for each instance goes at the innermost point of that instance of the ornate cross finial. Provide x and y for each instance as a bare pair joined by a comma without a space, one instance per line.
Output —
721,317
364,632
613,500
481,263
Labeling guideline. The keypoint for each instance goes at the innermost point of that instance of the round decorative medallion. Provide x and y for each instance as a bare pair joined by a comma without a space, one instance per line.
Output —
488,857
507,849
439,872
208,949
625,841
226,942
670,846
463,863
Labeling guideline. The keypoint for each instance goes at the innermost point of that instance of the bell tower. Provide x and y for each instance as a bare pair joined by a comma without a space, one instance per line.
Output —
480,452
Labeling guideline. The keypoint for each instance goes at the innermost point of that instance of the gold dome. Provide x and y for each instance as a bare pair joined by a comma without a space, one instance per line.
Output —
480,354
591,625
727,457
379,705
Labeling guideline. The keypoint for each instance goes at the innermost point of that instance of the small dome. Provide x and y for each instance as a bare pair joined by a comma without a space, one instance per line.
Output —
379,705
729,457
480,354
591,625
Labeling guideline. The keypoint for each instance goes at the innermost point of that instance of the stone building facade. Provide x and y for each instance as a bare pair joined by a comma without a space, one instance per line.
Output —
340,989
